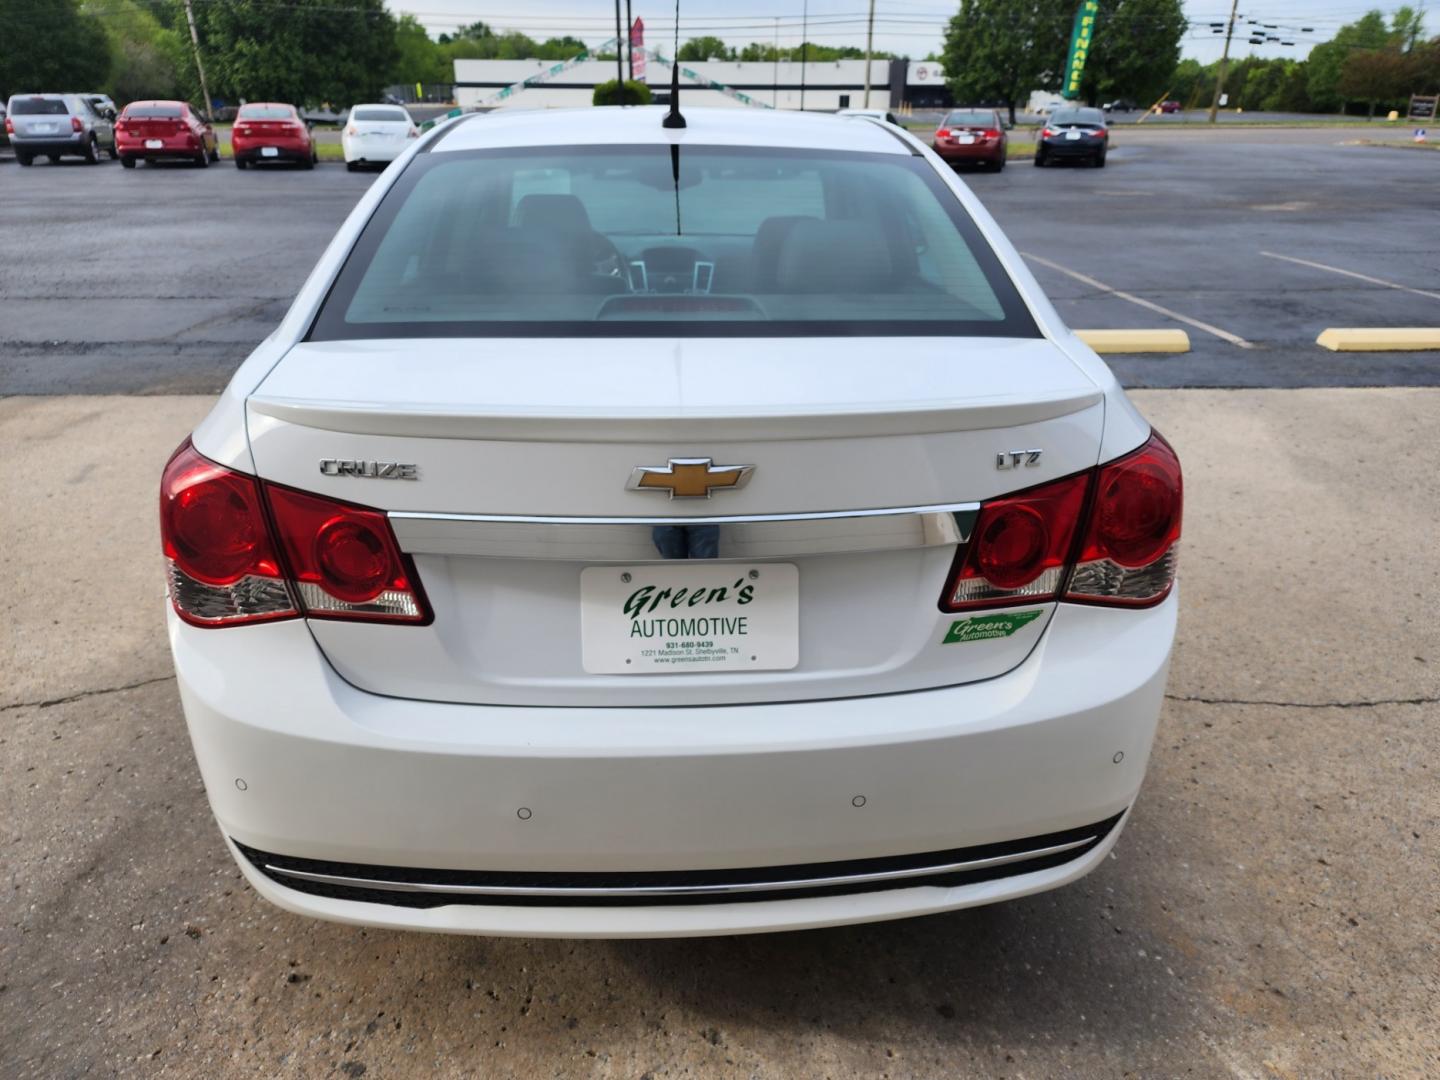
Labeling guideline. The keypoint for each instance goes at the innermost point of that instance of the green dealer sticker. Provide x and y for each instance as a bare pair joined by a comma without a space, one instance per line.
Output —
985,627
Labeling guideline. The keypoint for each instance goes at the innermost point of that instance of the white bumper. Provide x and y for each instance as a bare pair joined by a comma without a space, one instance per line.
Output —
299,763
373,147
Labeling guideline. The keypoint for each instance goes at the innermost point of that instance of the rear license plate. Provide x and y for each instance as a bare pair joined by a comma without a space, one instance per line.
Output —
45,128
967,140
269,151
1072,135
154,144
691,616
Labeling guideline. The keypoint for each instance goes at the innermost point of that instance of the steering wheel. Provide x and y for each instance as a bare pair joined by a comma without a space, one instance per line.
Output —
610,263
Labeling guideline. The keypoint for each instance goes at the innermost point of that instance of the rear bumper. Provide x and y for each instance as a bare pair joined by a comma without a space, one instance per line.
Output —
170,148
254,152
1061,148
72,144
372,149
335,775
956,154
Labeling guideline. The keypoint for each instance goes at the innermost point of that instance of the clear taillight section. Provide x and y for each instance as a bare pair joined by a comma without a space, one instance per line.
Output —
1132,539
220,560
232,559
1106,536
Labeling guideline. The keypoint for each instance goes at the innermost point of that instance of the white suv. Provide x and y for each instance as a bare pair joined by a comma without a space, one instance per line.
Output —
642,530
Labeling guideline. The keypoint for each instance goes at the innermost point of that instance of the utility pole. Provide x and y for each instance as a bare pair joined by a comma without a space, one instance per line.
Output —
620,98
804,49
776,76
869,41
629,42
195,41
1224,62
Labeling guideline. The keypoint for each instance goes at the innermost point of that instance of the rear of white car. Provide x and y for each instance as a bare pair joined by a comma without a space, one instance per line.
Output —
641,531
376,135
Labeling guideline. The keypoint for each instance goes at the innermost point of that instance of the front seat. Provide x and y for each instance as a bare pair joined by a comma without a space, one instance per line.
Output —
848,256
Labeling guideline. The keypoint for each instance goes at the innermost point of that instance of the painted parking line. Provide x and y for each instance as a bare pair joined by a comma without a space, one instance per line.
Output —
1352,274
1223,335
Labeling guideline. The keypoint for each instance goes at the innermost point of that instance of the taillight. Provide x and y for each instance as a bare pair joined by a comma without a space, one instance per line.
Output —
322,559
1048,133
943,133
1131,543
350,130
991,133
242,131
75,124
1106,536
344,559
9,126
218,552
413,133
1020,547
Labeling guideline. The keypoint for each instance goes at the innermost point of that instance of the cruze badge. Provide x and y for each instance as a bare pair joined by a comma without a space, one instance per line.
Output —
370,470
690,478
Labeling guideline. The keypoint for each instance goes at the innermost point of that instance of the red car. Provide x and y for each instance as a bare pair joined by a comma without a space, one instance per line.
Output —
164,129
267,131
972,136
1169,106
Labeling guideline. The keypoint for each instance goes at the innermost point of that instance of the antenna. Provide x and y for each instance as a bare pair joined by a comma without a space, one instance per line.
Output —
673,119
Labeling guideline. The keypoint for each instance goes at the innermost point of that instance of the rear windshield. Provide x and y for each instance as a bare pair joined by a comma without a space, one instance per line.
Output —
1093,117
153,112
699,241
971,118
374,113
41,107
265,112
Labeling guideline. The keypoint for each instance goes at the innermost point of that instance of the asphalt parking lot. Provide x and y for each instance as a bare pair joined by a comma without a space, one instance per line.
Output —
1270,911
162,280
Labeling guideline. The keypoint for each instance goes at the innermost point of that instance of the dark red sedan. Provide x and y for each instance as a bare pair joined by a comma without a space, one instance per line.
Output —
156,130
972,136
268,131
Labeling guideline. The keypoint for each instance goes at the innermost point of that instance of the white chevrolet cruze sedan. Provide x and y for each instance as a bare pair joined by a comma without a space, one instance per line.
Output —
376,135
640,530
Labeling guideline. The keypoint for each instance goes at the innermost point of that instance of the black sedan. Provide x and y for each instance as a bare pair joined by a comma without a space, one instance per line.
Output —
1074,133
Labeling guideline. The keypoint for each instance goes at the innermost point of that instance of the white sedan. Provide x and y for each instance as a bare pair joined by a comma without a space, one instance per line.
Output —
376,135
652,530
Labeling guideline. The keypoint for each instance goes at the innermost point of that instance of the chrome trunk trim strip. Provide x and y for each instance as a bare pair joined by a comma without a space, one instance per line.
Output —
647,539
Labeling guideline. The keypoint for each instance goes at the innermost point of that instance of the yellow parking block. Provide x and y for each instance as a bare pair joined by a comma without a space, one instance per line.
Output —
1136,341
1380,338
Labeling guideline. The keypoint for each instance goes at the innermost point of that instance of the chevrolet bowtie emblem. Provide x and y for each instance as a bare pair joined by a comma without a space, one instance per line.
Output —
689,478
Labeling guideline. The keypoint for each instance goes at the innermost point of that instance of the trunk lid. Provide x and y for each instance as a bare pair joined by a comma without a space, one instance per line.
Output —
523,450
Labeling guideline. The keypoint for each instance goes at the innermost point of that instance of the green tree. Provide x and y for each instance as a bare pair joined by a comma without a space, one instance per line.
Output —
704,48
1374,76
608,93
51,46
1134,51
148,58
309,52
418,59
1001,50
1407,26
1327,60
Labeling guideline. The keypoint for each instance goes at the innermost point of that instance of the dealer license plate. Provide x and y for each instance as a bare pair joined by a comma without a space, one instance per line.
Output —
154,144
689,616
269,151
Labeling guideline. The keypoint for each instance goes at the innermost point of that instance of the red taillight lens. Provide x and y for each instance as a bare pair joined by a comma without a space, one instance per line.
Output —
9,126
1114,532
345,560
1131,543
75,124
943,133
991,133
1020,547
221,562
224,558
1047,133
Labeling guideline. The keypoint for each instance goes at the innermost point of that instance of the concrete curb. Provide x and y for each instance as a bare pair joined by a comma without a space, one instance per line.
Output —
1136,341
1380,338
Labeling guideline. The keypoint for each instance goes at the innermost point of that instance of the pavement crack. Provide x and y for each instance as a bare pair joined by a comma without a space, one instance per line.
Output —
1369,704
48,702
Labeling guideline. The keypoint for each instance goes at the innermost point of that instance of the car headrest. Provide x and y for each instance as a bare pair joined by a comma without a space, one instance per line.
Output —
765,252
849,256
563,212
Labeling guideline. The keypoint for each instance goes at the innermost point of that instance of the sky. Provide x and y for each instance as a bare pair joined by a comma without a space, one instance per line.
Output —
906,27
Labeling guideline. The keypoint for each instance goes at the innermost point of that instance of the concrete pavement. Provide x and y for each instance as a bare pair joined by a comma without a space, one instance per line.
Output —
1269,912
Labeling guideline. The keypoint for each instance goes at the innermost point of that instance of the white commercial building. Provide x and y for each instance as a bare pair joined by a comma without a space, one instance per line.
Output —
786,84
